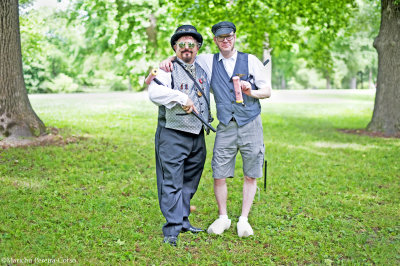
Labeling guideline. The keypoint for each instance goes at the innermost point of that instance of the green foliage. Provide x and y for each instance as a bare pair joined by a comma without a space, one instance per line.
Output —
349,53
314,31
124,29
353,46
48,50
62,83
56,53
25,3
34,45
332,198
105,45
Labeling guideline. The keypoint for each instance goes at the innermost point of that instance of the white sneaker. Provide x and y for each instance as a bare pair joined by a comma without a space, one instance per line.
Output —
219,226
244,229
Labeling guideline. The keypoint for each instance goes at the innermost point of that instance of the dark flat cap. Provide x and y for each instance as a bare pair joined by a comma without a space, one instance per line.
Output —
186,30
224,27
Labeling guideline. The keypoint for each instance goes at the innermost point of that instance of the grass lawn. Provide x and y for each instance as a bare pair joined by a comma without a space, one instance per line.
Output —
332,198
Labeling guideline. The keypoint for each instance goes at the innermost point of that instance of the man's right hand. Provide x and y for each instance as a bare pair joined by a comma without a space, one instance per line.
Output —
167,65
189,107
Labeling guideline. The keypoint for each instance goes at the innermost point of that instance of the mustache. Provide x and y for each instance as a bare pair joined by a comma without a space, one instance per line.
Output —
184,51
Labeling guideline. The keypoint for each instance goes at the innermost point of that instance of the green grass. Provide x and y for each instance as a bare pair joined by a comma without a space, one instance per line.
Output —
332,198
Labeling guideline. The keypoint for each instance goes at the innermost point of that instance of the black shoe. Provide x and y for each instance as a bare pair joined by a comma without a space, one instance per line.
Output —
170,240
192,229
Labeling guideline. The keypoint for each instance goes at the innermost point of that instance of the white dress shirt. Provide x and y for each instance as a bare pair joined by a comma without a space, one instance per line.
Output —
261,73
164,95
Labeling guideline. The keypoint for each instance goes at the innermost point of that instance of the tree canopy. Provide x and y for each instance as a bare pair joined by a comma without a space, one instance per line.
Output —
119,40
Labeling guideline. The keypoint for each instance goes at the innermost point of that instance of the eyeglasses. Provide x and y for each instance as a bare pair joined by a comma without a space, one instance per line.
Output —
191,45
222,38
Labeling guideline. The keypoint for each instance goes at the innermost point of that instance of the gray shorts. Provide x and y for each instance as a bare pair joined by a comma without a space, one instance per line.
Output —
230,139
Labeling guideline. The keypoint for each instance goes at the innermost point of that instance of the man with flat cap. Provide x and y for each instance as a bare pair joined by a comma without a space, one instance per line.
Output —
240,127
179,142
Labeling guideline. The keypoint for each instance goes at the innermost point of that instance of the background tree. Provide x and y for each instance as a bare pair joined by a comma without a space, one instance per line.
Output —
133,32
353,51
17,118
386,116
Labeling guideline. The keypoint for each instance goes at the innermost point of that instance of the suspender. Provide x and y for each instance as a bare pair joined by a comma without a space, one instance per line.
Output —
210,119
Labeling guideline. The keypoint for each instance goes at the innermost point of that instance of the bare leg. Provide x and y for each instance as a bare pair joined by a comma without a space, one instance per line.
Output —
249,190
221,195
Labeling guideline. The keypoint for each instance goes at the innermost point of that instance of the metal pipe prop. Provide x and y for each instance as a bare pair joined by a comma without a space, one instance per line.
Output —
265,174
204,121
152,76
238,89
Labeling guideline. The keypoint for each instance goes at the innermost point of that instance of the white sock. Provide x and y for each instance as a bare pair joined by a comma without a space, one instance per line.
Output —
243,219
224,216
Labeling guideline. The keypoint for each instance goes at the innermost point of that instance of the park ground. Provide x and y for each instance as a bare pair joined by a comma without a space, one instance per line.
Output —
331,197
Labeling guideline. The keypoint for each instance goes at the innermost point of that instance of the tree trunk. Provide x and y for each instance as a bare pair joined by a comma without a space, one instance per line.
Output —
17,118
283,82
151,32
370,81
386,115
353,83
328,82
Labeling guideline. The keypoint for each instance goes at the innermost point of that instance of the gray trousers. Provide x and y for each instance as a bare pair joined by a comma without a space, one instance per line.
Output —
180,159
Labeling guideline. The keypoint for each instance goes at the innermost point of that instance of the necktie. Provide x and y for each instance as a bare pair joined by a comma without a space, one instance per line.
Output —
191,69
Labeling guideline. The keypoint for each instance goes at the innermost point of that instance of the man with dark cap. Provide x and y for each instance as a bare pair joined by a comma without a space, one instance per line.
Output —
240,127
179,142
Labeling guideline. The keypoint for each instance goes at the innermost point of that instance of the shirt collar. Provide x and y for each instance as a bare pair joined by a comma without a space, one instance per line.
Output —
233,57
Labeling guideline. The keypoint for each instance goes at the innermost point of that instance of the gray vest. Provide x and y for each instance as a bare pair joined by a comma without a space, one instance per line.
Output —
176,118
224,93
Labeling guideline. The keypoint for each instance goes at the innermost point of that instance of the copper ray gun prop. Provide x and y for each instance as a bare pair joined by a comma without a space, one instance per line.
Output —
237,87
152,76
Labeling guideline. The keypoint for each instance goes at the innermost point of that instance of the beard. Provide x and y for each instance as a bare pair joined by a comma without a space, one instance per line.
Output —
187,56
